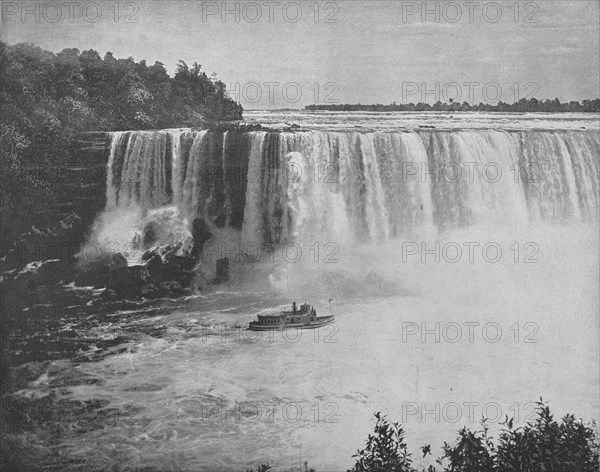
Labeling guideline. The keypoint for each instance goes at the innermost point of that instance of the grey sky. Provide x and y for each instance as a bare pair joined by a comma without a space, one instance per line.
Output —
374,52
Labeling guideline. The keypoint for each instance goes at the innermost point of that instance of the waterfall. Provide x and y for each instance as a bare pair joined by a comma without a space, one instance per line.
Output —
252,228
190,194
276,187
111,187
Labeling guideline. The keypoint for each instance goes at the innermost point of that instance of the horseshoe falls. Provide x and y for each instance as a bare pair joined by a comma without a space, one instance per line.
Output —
364,187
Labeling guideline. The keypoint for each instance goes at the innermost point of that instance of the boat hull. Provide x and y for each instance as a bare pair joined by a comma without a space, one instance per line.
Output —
318,323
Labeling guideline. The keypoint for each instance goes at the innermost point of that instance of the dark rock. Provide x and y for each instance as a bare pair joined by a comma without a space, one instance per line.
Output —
48,272
100,272
108,295
235,126
165,271
201,234
118,261
150,237
169,271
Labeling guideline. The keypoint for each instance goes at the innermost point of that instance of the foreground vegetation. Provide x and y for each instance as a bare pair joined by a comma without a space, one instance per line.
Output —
542,445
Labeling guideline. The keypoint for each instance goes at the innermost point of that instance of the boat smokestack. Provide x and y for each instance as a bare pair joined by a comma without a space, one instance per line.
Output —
294,307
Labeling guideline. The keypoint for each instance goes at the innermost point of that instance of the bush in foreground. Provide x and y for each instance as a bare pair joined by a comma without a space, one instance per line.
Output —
542,445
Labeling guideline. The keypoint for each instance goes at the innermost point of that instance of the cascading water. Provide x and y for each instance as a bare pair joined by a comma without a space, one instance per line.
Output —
276,187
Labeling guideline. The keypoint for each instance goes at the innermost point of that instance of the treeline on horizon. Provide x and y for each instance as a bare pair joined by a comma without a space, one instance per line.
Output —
522,106
48,98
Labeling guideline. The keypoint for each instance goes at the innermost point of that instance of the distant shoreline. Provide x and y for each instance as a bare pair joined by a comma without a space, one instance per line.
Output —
303,110
522,106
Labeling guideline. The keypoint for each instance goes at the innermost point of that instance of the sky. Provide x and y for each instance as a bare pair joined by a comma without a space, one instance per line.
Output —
284,54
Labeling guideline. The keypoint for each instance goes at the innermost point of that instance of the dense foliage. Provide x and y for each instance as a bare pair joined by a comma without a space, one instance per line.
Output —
385,450
522,106
48,98
543,445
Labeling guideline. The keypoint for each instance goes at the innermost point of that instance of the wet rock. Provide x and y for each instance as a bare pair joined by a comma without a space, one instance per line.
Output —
118,261
150,234
168,271
108,295
98,273
236,126
201,234
169,263
165,271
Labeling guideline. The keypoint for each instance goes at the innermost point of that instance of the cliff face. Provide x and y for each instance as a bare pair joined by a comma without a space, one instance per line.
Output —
80,195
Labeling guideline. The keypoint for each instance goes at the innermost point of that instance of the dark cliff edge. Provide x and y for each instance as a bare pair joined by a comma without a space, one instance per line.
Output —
80,189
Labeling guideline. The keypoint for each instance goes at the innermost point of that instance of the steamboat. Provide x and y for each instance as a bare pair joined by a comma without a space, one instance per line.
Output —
304,317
